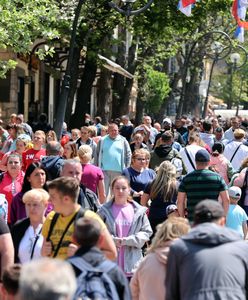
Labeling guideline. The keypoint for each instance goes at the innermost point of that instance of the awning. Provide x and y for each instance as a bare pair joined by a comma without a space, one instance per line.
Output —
114,67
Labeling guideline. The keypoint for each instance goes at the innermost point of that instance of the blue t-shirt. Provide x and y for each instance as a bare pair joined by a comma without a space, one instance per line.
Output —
235,218
139,180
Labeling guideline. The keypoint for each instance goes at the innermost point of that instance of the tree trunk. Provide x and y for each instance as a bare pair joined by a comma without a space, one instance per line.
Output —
132,64
84,91
104,95
73,84
119,80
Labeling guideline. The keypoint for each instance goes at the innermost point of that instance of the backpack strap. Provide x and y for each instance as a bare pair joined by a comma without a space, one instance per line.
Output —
235,152
76,216
189,158
53,222
245,179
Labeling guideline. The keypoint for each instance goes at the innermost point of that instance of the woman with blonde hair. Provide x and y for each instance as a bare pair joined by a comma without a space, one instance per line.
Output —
162,191
92,177
51,136
143,286
138,174
26,234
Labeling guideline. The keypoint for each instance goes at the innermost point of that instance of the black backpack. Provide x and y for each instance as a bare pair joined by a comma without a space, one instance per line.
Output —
94,283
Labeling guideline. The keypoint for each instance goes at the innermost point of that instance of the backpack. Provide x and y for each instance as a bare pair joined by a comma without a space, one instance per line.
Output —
94,283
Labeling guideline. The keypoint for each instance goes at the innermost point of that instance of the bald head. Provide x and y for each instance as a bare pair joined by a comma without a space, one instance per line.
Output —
54,148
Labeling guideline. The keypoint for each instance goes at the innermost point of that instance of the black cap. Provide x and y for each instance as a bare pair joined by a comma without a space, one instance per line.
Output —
208,211
202,156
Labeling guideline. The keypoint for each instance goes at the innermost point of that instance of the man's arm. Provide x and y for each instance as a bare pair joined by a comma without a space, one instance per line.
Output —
225,201
244,227
107,245
6,251
172,277
181,203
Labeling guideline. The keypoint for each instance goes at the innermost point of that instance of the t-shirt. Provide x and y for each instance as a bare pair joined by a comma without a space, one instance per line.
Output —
123,215
236,216
59,228
200,185
32,155
139,180
91,176
157,210
27,244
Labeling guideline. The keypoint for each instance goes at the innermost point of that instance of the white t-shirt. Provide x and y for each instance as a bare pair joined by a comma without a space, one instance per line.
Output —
240,155
192,149
27,244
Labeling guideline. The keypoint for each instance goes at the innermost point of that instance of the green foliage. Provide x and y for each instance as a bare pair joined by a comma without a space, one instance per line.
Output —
5,66
24,21
156,89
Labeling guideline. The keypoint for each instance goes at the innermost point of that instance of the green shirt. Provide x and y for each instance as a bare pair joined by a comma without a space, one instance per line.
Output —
200,185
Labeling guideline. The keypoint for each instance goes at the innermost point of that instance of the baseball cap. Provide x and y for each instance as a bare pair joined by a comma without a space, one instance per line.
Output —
167,120
234,192
170,209
202,156
208,211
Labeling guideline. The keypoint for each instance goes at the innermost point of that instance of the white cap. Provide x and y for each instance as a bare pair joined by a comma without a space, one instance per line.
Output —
167,120
234,192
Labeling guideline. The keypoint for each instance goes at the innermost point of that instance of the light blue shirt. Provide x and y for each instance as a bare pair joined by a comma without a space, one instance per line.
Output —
235,218
112,154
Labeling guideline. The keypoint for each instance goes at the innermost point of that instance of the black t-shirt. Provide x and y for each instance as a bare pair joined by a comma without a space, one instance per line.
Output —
158,205
3,227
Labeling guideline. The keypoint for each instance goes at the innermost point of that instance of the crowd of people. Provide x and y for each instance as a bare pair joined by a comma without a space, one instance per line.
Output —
117,211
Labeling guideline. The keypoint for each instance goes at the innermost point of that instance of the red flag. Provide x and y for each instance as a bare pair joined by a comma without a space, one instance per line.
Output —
243,24
188,2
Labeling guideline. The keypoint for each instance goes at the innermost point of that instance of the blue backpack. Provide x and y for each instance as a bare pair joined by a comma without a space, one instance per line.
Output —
94,283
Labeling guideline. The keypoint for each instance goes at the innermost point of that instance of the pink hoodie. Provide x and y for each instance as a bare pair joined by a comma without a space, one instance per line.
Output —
220,163
148,282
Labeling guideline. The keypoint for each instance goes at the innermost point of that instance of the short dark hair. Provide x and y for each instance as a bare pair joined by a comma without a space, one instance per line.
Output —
67,186
167,136
11,277
206,125
87,232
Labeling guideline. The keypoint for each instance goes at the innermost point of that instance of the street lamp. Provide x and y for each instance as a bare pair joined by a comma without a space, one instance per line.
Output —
218,52
238,60
127,8
65,88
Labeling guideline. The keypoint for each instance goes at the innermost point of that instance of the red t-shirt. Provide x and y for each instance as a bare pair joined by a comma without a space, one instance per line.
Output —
10,189
32,155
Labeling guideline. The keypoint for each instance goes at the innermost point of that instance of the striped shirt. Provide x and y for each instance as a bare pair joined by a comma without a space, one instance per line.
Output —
199,185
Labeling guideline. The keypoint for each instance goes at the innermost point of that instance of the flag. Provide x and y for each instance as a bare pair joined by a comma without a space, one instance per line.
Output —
240,34
186,3
239,8
185,9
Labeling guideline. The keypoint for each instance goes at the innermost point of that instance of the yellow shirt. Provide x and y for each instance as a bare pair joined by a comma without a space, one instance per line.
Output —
59,228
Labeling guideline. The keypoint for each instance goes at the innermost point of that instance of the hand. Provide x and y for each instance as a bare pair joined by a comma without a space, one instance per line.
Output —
72,248
118,242
46,248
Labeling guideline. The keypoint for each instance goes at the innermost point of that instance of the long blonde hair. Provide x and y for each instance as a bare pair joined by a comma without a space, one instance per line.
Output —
165,182
169,230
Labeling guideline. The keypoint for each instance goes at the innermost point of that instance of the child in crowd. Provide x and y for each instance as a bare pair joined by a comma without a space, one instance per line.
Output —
172,211
236,217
